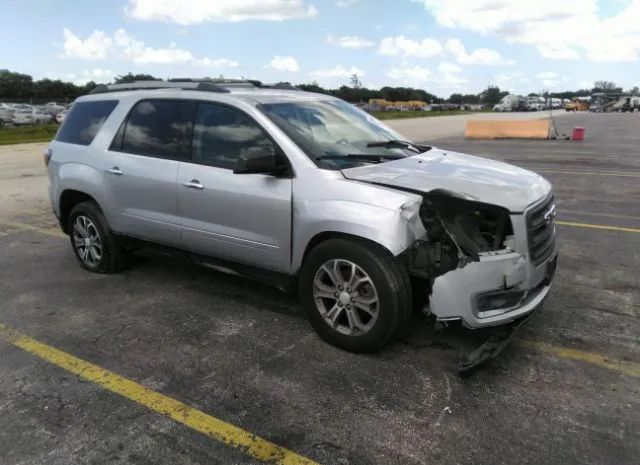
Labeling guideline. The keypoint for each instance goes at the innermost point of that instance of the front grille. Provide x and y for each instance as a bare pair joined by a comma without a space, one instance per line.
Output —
541,230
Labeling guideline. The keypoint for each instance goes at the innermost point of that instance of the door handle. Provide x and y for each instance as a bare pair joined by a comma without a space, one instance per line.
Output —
193,184
115,170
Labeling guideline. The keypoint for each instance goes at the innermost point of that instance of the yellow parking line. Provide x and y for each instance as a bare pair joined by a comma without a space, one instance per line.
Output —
588,173
598,226
621,366
208,425
30,227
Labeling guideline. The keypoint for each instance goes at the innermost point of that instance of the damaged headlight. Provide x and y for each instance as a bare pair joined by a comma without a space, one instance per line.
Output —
475,227
458,230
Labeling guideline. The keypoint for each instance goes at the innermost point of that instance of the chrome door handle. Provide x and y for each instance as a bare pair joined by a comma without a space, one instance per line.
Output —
115,170
193,184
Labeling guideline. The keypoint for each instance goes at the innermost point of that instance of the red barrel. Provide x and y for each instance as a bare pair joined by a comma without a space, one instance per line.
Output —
578,133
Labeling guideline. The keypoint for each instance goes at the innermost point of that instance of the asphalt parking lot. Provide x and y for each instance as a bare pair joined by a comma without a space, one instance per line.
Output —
566,391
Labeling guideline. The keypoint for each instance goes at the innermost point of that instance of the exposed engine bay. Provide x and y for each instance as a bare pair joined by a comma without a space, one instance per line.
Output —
458,231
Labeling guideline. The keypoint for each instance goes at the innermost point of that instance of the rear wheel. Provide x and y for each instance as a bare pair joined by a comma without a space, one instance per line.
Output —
355,294
94,244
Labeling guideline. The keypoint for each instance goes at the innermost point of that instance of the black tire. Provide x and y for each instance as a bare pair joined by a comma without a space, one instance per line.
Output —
113,257
391,283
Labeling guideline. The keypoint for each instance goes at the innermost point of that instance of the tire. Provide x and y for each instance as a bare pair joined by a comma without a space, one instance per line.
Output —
381,279
104,255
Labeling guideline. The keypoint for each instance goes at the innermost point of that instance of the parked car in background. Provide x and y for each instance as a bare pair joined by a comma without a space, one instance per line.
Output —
511,102
61,116
6,113
33,116
555,103
535,103
52,108
22,106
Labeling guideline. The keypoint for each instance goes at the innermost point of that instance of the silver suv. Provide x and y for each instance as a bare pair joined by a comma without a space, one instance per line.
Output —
306,190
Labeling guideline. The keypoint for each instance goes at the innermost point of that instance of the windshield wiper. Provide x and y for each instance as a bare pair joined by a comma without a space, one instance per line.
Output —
363,156
397,144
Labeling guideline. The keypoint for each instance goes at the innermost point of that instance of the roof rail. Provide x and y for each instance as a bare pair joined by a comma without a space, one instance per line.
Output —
201,85
217,80
224,82
281,85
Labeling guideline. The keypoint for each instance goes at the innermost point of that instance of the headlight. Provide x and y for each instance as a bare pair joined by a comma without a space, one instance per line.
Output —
475,227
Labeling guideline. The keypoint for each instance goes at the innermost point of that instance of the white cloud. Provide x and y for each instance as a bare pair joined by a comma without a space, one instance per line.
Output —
418,76
350,42
199,11
122,45
413,75
547,75
98,75
95,47
401,46
480,56
216,63
281,63
551,79
138,52
345,3
337,72
563,30
448,68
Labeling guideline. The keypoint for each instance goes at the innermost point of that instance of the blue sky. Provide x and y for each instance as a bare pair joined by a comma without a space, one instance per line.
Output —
443,46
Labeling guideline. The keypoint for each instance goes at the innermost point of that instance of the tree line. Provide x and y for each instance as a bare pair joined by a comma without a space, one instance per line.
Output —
17,86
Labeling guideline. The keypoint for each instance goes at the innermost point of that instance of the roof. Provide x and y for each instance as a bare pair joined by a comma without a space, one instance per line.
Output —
205,90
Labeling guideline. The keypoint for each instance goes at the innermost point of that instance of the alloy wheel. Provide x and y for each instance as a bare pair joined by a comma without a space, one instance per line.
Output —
346,297
87,241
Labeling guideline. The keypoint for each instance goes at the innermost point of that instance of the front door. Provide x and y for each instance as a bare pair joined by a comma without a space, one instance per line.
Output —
245,218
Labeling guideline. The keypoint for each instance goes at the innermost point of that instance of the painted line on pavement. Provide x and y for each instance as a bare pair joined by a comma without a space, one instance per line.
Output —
588,173
621,366
598,226
30,227
208,425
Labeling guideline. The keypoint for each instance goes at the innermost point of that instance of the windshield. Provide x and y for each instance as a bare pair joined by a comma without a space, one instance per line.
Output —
335,134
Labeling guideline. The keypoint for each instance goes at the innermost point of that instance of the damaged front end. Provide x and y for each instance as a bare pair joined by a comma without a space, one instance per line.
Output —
474,260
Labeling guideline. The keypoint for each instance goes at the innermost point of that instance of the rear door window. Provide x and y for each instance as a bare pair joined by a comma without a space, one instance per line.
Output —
84,121
158,128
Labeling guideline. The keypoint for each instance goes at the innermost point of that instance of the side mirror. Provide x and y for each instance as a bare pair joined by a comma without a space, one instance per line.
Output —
255,160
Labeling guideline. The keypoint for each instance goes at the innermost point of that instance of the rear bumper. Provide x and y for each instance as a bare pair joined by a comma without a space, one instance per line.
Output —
510,278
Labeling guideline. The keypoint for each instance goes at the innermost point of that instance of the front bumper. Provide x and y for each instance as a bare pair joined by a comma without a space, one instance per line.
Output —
455,294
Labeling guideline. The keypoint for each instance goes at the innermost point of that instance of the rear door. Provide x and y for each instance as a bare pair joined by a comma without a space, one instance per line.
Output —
142,166
245,218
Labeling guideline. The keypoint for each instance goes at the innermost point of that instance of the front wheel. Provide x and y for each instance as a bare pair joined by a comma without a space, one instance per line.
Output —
355,294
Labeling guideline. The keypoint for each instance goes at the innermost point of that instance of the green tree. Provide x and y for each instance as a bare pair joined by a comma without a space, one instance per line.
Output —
15,85
471,98
129,77
314,87
356,83
492,95
608,87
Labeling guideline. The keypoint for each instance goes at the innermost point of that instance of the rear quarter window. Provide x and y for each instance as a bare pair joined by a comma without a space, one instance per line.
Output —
84,121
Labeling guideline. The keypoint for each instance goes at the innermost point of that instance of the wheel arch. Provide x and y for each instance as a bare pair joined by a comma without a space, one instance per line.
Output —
69,198
324,236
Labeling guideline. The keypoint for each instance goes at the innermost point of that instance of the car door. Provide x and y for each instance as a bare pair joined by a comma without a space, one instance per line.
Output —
245,218
141,169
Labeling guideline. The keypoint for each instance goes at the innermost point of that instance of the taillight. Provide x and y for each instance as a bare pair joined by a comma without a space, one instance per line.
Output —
47,156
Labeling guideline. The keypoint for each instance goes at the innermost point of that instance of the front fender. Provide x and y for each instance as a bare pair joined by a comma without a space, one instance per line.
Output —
395,229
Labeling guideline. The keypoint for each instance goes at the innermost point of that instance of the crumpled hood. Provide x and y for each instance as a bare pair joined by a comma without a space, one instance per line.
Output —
476,178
